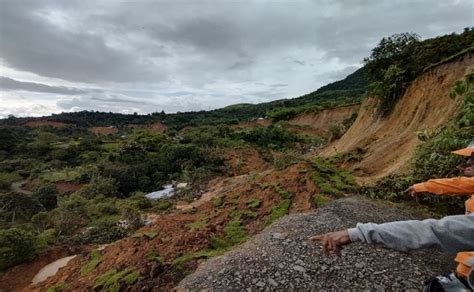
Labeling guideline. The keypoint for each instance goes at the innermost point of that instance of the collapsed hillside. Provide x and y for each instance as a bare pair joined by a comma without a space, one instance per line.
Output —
386,144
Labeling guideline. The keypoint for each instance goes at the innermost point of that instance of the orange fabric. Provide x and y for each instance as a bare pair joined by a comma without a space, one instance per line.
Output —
470,204
447,186
464,152
461,257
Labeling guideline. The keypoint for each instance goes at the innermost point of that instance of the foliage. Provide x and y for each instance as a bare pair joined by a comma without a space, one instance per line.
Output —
198,225
330,179
113,280
94,261
6,179
18,208
254,203
16,246
47,196
319,200
99,186
286,159
234,233
399,59
217,202
45,238
280,210
60,287
153,256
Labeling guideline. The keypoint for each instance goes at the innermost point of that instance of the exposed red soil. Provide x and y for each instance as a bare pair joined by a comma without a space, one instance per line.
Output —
102,131
244,160
20,276
42,123
175,238
319,123
390,142
67,187
158,127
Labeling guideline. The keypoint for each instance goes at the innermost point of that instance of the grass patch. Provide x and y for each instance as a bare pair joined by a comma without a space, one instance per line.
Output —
94,261
7,178
113,280
332,180
153,256
61,287
234,233
264,186
254,203
319,200
278,211
217,202
110,146
67,174
162,204
198,225
243,214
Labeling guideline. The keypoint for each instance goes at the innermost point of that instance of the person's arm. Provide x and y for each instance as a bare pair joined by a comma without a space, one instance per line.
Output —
451,233
446,186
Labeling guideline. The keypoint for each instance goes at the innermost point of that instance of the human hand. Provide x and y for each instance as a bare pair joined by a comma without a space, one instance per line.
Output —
333,241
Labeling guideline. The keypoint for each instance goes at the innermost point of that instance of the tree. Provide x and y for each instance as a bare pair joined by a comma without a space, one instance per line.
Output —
16,246
47,196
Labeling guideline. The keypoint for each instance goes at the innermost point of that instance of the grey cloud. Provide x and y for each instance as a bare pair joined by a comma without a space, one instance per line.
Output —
12,84
195,54
279,85
30,43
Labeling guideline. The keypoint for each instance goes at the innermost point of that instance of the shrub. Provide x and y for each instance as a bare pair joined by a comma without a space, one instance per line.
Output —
16,246
114,280
254,203
94,261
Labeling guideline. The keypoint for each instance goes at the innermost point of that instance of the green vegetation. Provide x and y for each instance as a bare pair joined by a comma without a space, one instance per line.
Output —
114,280
281,209
254,203
198,225
61,287
319,200
153,256
16,246
278,211
94,261
330,179
233,234
217,202
399,59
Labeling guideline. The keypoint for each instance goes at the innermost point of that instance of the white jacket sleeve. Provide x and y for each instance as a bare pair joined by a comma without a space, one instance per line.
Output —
451,233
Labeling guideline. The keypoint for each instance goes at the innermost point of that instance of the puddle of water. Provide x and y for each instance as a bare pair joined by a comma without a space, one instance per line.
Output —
168,191
51,269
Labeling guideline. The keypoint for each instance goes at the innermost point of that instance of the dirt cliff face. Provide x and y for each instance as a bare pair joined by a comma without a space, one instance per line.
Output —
390,142
322,121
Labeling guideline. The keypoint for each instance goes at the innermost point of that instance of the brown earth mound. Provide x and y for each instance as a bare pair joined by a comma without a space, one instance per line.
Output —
103,131
42,123
319,123
158,127
244,160
389,142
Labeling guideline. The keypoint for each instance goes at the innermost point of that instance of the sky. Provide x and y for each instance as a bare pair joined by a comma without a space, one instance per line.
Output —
186,55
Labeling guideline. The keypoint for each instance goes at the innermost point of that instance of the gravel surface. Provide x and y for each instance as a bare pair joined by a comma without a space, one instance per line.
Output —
281,257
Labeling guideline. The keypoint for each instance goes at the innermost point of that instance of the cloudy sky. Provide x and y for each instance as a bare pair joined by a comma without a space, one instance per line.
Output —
180,55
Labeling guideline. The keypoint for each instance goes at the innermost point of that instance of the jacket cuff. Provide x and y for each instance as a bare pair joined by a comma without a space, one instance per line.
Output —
419,187
355,234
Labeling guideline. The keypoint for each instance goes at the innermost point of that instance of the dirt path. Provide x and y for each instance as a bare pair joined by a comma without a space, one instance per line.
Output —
51,269
281,258
16,187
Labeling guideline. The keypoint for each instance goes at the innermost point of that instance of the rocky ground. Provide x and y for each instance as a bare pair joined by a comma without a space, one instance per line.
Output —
282,258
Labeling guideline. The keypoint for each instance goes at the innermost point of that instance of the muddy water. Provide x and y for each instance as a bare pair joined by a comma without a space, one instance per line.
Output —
51,269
